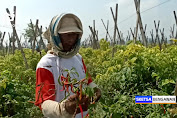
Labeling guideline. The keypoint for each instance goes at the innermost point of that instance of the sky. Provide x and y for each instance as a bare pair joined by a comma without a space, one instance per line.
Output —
88,11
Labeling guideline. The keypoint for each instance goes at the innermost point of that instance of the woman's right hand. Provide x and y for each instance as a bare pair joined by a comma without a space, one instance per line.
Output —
72,103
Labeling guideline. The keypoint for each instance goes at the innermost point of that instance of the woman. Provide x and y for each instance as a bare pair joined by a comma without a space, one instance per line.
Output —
64,33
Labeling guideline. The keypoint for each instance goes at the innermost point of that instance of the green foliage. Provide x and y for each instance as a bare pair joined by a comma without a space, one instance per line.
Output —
132,41
104,45
134,70
29,32
17,86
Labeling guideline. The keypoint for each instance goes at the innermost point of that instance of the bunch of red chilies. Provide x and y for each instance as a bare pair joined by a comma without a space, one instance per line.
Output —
65,82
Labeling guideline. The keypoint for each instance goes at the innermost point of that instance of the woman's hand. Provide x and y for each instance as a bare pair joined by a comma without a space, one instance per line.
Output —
84,102
72,104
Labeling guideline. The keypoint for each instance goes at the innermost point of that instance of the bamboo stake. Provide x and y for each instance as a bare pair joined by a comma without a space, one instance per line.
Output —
157,35
15,34
115,23
106,28
152,37
176,23
137,5
115,28
35,34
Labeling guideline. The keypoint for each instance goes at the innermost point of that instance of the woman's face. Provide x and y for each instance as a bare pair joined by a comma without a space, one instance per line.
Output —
68,40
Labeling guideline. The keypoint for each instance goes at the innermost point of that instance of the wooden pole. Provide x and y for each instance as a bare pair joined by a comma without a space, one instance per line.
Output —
176,23
172,31
128,37
91,40
2,38
12,20
115,23
107,32
94,38
137,5
146,39
132,33
15,34
139,37
10,41
34,33
115,28
41,42
163,37
94,35
157,35
152,38
137,21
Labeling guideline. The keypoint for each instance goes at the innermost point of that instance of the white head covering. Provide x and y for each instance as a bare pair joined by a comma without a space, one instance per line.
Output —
63,24
69,24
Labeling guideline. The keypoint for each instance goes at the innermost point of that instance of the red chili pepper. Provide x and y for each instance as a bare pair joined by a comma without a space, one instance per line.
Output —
67,88
63,88
62,77
65,83
66,79
81,110
31,102
72,88
77,93
87,115
163,108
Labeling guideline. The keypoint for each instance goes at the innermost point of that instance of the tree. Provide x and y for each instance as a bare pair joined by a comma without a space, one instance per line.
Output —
30,35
